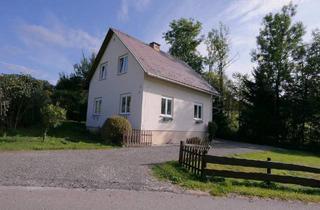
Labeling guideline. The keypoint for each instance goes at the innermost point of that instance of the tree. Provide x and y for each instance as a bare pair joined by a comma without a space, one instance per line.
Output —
4,106
265,114
184,38
26,95
217,43
71,91
304,94
82,69
52,116
224,118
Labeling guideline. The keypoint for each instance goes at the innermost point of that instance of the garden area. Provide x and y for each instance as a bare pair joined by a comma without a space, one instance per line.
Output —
69,135
219,186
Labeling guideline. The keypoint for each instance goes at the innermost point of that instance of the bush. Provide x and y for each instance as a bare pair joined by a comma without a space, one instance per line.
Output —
212,129
52,116
114,128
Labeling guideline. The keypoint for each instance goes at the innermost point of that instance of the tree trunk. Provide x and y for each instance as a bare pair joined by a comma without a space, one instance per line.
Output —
44,134
221,87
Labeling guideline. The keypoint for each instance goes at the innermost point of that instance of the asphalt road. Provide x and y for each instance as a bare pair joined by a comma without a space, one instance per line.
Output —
34,198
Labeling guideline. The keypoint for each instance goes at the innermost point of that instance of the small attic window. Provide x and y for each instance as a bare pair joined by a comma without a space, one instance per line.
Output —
103,71
123,64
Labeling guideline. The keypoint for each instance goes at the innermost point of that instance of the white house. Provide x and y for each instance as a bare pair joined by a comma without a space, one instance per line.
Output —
153,90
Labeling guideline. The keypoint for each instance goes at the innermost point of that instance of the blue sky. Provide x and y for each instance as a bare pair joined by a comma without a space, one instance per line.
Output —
43,38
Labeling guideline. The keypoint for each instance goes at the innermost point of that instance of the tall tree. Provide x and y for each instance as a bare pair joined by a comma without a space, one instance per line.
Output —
184,38
304,94
217,43
82,69
71,91
277,41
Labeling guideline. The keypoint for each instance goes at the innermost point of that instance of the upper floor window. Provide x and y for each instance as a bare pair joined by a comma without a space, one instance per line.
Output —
97,105
125,106
103,71
197,113
166,106
123,64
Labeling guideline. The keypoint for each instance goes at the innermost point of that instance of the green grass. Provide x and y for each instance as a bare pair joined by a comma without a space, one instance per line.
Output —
219,186
70,135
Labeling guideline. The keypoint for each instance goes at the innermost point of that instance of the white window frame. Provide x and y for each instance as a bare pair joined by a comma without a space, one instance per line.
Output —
97,108
126,111
166,107
120,71
197,106
103,75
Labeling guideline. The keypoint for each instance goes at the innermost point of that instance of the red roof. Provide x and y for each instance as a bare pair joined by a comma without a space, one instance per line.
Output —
159,64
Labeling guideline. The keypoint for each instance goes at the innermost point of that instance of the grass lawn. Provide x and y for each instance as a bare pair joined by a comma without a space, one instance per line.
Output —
70,135
223,186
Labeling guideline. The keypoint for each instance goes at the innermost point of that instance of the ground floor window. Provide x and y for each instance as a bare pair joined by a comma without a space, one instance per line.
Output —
125,106
197,113
97,105
166,106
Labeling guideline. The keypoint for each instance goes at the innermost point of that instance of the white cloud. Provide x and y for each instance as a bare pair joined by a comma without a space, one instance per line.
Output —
246,10
20,69
128,5
58,35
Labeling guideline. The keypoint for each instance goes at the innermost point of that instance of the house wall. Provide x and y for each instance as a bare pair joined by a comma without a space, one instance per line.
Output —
115,85
182,125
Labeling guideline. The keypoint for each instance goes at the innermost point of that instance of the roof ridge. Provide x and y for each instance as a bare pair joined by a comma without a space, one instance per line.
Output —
132,37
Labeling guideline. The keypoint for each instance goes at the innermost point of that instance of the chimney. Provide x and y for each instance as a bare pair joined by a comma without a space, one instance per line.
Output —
155,46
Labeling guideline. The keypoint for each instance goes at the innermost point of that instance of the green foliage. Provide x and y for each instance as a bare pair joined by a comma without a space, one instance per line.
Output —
212,129
114,128
218,53
26,95
183,38
71,91
281,104
52,116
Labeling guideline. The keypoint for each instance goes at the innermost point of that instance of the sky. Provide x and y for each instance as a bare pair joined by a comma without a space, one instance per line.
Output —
44,38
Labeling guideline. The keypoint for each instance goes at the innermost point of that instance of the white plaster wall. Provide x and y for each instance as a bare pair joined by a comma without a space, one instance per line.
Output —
115,85
183,104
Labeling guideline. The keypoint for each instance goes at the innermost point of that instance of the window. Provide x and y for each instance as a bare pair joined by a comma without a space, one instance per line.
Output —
103,71
197,113
97,106
123,64
166,106
125,104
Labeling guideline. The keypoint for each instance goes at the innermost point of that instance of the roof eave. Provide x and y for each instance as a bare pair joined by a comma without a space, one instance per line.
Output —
182,84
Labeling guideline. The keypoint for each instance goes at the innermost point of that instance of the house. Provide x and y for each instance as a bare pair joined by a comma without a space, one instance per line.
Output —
153,90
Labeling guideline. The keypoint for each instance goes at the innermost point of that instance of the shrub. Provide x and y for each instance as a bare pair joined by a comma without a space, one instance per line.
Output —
52,116
212,129
114,128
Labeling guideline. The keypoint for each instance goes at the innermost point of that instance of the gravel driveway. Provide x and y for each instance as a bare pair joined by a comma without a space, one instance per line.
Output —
125,168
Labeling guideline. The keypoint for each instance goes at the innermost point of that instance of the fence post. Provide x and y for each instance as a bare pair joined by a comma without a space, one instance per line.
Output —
268,171
181,151
203,163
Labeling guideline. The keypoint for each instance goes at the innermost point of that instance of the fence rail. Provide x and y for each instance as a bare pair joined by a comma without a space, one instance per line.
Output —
137,138
195,160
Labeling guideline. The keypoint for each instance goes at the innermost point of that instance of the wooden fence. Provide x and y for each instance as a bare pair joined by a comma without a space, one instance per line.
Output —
137,138
196,162
191,156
